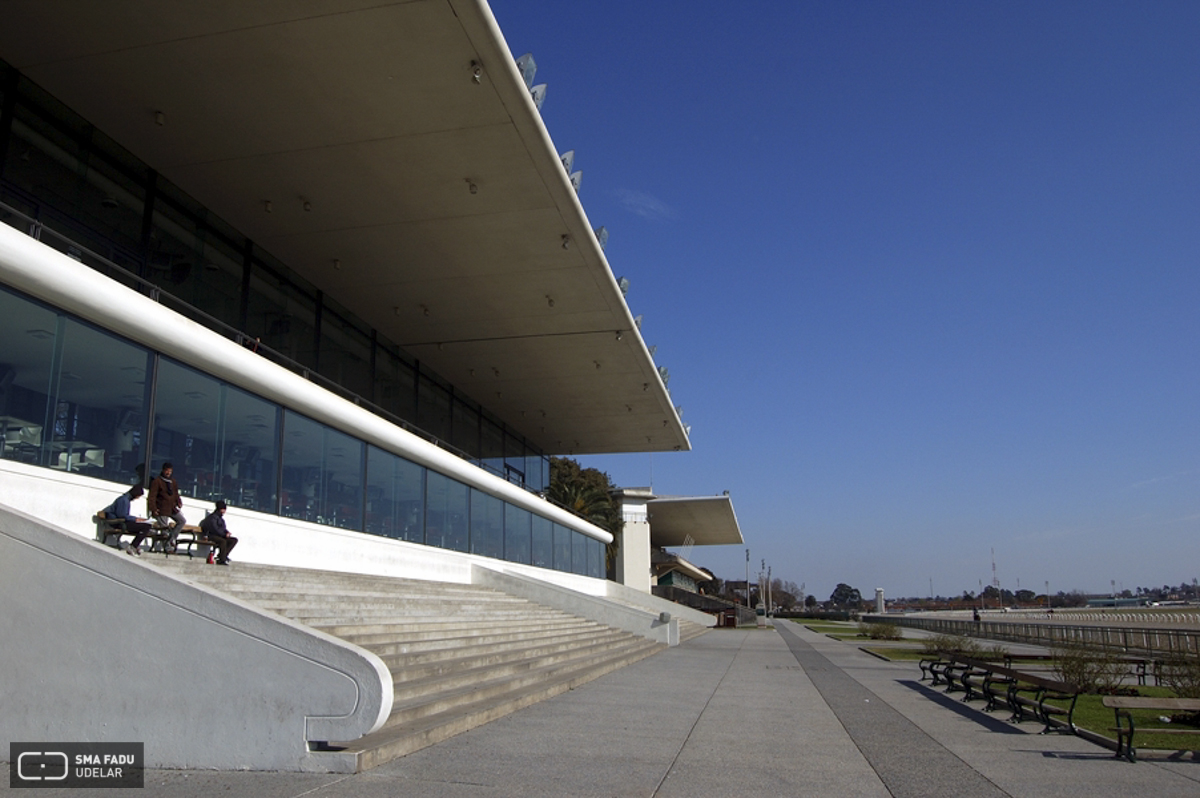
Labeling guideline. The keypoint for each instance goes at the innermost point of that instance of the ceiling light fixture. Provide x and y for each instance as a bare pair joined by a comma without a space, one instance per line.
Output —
307,206
160,118
476,72
566,242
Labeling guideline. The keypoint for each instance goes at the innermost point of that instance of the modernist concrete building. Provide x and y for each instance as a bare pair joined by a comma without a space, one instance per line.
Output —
363,194
324,258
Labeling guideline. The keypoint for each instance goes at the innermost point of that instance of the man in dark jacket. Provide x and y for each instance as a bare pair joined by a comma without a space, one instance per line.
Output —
213,527
165,504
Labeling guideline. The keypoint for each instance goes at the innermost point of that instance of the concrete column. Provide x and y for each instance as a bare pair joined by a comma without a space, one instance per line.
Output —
633,556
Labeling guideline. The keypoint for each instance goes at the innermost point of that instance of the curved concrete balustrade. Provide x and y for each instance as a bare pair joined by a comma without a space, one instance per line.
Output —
100,647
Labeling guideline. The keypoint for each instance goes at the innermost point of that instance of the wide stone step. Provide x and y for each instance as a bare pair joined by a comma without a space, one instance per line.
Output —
429,610
452,627
689,630
300,589
396,741
487,688
413,642
415,661
465,673
426,593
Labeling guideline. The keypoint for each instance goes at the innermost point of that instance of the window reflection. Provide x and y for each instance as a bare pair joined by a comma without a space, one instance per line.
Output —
562,548
74,397
543,542
395,496
249,443
446,512
97,401
27,331
487,525
517,534
578,553
322,473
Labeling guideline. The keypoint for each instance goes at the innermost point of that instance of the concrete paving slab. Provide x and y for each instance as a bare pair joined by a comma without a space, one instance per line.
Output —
765,712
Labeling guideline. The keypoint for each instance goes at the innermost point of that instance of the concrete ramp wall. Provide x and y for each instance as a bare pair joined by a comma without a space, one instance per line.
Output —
653,603
629,619
99,646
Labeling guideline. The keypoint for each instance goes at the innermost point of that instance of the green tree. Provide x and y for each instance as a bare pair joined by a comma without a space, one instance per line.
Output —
587,492
845,596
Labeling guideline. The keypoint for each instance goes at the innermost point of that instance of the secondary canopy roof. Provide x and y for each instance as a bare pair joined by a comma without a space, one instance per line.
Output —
706,520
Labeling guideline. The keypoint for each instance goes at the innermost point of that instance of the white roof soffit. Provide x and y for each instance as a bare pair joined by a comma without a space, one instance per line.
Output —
707,520
431,205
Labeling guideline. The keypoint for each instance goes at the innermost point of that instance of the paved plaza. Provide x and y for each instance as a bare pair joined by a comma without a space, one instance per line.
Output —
746,712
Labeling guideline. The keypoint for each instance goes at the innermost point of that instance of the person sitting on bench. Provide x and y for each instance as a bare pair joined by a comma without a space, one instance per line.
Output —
213,527
165,504
137,527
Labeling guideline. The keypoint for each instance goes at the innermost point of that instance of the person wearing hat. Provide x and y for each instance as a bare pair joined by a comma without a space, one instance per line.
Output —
213,527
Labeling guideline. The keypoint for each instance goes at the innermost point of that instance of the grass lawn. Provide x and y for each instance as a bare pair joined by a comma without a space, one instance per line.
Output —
1090,714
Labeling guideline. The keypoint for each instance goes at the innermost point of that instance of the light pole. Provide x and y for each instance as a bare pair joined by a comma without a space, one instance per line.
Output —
747,577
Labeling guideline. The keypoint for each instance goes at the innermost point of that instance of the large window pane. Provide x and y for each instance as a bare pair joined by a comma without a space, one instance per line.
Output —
578,553
514,459
395,496
543,542
345,350
194,256
492,446
466,427
395,383
282,313
595,558
322,473
27,336
99,396
433,407
65,174
249,446
562,548
517,534
446,512
187,414
487,525
536,468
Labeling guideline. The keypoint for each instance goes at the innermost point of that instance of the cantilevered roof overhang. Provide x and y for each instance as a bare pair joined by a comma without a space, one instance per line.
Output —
701,521
352,140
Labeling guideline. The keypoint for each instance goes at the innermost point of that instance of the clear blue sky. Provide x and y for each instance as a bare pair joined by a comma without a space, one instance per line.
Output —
926,275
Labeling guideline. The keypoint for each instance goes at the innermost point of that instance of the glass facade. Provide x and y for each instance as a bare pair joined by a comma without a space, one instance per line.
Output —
78,398
90,198
74,397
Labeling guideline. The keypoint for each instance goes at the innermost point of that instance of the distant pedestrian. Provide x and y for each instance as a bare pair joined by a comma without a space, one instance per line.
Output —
975,615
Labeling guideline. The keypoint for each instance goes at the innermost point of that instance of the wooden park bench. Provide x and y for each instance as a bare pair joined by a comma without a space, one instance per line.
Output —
190,536
113,527
1121,706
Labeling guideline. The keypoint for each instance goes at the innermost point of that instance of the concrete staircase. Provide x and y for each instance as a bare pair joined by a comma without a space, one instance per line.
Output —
689,630
459,655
